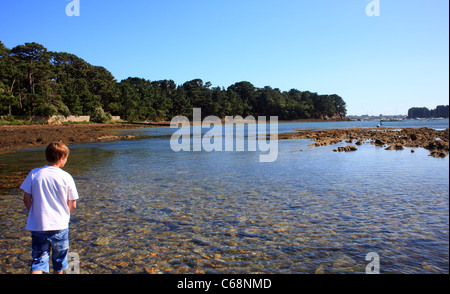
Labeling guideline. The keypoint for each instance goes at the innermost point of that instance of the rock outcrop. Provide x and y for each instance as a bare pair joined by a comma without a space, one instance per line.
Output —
392,139
345,149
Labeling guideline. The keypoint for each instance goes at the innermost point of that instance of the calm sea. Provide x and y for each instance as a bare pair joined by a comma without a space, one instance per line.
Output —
145,208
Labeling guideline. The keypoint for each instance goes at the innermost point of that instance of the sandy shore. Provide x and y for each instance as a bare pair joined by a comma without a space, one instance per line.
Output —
392,139
29,136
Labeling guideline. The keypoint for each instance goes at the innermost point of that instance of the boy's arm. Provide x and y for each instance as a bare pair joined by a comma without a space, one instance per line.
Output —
72,205
27,199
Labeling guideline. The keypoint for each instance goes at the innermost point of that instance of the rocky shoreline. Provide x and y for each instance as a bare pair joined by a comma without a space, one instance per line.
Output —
437,142
26,136
30,136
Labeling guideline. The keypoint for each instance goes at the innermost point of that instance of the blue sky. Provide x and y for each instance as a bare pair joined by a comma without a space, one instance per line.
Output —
380,64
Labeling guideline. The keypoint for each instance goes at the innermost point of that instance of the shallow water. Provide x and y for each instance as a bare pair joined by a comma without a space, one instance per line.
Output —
145,208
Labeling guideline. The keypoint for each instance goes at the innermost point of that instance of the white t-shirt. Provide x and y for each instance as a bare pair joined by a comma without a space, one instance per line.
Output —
51,188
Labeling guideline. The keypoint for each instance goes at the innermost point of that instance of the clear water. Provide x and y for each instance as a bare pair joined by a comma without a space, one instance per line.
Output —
145,208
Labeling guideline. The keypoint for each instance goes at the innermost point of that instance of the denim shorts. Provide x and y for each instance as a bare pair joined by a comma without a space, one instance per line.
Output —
42,242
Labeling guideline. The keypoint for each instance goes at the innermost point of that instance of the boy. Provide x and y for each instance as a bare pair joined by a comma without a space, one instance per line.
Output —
50,196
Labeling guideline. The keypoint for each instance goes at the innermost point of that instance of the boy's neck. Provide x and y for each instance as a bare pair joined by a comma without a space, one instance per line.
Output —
60,163
54,164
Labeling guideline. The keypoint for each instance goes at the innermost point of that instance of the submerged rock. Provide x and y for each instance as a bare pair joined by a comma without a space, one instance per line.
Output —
102,241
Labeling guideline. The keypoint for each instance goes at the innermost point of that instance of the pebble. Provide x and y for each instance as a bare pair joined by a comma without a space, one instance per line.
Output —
102,241
320,270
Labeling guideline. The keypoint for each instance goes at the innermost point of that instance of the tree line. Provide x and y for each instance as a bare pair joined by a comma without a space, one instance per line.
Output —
35,81
423,112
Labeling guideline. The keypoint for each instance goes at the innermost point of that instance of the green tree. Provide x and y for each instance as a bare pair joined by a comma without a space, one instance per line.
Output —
221,103
181,103
130,102
33,60
9,76
200,96
35,81
164,93
247,93
6,100
100,116
102,86
339,105
237,105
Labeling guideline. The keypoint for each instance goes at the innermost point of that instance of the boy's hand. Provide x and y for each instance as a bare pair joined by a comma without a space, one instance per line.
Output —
72,205
27,199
